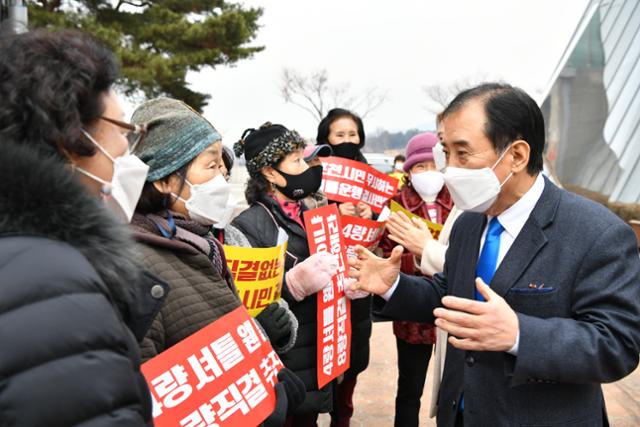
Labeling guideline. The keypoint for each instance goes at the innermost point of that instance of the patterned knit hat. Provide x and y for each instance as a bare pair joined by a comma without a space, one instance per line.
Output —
267,146
176,134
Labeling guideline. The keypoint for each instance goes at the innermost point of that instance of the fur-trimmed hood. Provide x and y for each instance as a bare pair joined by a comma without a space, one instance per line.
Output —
40,197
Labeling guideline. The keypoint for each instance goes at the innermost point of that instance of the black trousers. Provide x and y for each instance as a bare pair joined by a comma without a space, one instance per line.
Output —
413,361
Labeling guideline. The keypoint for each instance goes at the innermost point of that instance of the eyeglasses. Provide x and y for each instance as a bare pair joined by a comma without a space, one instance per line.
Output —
135,134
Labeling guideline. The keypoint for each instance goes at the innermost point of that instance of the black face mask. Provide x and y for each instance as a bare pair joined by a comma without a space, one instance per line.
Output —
346,150
300,186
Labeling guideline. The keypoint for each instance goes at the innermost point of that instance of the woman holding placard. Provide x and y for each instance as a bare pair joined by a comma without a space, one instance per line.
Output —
279,179
185,195
344,132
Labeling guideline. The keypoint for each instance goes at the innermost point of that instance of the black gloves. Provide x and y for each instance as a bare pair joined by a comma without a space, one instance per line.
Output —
276,322
294,388
290,393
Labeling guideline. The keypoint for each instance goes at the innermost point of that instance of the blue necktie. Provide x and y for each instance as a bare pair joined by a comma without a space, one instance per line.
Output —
486,266
489,255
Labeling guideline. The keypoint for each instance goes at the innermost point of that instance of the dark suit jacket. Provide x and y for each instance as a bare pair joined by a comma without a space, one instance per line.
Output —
580,330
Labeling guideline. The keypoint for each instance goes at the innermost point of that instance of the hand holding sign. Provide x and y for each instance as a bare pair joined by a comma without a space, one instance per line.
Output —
290,393
364,210
411,233
277,323
311,275
352,293
347,209
372,273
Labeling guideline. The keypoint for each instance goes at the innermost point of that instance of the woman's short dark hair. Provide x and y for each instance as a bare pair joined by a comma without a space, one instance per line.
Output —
153,201
51,86
511,115
227,158
256,186
337,113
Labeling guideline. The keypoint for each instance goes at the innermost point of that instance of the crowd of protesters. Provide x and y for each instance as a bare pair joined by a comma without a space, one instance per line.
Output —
111,252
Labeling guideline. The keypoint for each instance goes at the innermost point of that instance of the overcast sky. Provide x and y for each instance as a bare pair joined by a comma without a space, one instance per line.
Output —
398,46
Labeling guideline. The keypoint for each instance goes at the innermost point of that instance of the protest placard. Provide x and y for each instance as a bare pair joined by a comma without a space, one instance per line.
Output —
360,231
324,233
223,375
433,227
345,180
257,273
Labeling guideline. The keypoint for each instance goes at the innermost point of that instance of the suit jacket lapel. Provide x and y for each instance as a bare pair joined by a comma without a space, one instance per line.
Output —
529,242
526,246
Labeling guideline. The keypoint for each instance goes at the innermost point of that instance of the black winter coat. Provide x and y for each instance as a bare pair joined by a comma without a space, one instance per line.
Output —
360,325
68,323
260,225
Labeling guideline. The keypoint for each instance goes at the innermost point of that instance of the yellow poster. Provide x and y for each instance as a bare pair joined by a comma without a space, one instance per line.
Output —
258,274
433,227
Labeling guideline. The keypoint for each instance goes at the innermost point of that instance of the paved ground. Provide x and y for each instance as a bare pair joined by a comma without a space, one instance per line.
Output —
375,393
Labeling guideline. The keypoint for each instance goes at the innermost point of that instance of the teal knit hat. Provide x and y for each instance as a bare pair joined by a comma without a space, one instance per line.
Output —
176,134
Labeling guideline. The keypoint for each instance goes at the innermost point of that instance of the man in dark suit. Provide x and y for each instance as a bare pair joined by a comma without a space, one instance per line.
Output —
560,314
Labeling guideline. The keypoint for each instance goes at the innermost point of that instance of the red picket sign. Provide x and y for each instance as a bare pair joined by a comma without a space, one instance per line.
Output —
360,231
223,375
324,233
346,180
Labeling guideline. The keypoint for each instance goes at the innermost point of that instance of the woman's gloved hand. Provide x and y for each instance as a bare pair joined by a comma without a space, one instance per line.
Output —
353,293
311,275
290,393
276,322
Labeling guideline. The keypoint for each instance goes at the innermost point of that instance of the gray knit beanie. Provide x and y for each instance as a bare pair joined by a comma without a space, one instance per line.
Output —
176,134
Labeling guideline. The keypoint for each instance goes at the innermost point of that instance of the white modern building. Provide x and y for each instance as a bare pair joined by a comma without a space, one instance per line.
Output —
592,103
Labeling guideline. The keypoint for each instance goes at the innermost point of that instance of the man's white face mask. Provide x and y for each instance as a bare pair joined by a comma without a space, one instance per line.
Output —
474,190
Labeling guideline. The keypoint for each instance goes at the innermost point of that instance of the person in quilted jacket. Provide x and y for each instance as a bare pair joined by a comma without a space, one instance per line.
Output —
184,196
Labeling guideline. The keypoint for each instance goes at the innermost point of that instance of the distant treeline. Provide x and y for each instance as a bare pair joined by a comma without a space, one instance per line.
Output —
383,140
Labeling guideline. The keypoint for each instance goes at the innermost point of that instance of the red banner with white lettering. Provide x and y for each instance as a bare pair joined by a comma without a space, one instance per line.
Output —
360,231
223,375
346,180
324,233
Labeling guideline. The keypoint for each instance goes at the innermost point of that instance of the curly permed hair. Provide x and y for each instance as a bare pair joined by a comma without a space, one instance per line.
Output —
51,86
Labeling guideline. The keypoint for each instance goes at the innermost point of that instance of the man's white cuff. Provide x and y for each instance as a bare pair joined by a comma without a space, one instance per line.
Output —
387,295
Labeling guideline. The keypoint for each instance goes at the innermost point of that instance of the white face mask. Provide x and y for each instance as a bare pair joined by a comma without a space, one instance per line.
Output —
439,158
129,175
227,213
474,190
208,203
428,184
399,166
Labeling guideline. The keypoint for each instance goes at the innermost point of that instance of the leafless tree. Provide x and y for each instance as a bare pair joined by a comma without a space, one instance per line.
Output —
316,94
440,95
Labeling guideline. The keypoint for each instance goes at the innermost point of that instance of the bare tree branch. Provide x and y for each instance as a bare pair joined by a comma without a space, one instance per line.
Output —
315,94
440,95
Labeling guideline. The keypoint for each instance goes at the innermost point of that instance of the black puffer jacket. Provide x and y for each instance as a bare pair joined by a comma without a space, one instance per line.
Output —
260,225
68,323
360,324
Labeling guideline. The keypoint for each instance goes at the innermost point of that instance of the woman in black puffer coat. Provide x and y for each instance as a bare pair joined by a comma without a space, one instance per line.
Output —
344,132
279,180
73,304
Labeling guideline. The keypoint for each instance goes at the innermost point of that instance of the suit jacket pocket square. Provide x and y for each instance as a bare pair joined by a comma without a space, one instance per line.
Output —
532,291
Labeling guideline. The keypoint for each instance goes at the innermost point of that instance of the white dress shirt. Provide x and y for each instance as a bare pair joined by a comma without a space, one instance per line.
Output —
512,219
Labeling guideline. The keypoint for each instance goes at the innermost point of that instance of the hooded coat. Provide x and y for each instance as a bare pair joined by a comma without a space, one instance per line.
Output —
73,302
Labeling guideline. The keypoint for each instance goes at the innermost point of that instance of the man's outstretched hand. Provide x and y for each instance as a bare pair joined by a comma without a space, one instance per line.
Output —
372,273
